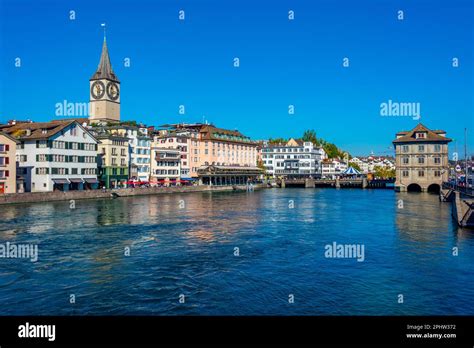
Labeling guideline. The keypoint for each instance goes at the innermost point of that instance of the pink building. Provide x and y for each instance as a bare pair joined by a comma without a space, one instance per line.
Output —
204,145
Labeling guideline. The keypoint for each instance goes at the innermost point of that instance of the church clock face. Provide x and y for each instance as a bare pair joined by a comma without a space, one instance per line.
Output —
98,89
112,91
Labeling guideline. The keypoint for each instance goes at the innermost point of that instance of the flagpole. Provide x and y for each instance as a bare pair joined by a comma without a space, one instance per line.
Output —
103,26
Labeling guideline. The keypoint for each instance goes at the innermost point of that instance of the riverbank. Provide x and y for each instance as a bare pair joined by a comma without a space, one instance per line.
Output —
35,197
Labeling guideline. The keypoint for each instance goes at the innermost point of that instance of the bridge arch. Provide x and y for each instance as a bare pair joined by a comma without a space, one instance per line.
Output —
414,188
434,188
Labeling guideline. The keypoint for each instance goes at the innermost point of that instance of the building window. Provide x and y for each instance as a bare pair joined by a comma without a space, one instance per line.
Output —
437,160
405,173
421,135
405,148
437,148
421,173
437,173
421,160
421,148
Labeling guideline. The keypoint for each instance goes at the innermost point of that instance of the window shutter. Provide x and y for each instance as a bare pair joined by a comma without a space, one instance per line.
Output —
37,158
7,147
7,160
7,173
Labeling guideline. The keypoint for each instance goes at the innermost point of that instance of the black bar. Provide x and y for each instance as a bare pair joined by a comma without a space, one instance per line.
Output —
132,330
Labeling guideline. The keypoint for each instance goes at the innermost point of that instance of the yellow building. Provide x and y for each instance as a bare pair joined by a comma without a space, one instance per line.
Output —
7,163
113,159
421,157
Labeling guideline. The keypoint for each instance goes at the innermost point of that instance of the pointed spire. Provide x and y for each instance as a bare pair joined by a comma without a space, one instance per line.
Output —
104,70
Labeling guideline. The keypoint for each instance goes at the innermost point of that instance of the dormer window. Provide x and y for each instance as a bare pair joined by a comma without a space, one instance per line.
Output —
44,131
421,135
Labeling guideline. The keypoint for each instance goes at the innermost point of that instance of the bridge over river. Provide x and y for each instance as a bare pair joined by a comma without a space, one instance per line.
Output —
462,199
336,183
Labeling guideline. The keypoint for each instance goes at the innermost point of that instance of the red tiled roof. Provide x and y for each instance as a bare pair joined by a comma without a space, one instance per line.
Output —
431,136
37,130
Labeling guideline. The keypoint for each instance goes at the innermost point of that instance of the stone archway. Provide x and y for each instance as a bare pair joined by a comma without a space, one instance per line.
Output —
414,188
434,188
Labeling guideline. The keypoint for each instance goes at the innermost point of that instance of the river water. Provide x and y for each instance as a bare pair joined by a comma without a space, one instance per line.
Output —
239,253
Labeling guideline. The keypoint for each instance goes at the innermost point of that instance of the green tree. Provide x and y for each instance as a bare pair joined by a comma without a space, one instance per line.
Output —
331,150
355,166
310,135
384,172
277,141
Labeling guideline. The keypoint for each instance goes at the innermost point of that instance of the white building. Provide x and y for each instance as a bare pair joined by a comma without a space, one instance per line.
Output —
295,158
60,155
165,166
332,167
368,164
140,153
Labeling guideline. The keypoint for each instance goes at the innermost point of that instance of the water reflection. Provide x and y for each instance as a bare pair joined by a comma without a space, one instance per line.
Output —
184,243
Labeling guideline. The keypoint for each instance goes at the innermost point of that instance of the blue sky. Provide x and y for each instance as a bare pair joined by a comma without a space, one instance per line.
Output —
282,62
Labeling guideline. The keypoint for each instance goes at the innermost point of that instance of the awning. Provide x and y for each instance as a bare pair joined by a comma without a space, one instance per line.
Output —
351,171
76,181
91,180
61,181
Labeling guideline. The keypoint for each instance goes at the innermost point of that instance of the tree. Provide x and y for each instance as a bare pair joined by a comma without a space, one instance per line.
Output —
331,150
277,141
384,172
310,135
261,165
355,166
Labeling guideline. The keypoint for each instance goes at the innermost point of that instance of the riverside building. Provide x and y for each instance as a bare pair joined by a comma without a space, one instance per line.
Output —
55,155
296,158
113,160
8,183
214,156
421,157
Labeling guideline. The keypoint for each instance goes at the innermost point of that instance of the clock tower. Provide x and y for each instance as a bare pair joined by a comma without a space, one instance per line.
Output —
104,89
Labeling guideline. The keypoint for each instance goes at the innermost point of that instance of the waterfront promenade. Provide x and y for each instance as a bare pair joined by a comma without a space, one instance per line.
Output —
31,197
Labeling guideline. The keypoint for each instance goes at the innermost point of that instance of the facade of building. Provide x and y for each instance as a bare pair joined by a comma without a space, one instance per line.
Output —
421,157
104,90
8,182
369,164
186,143
204,145
165,166
332,167
141,156
296,158
55,156
113,160
139,149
